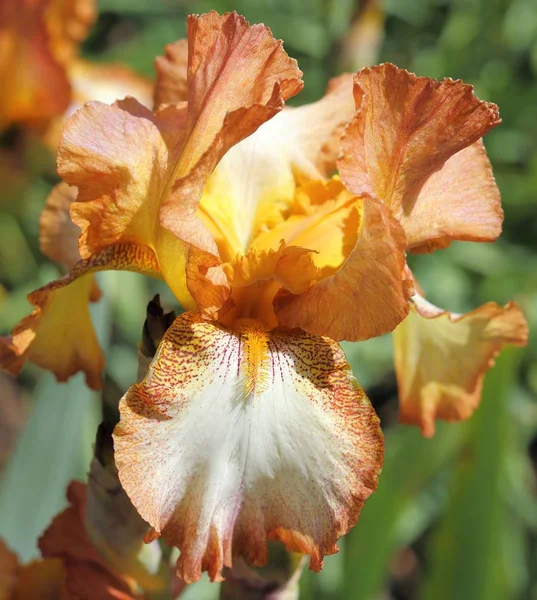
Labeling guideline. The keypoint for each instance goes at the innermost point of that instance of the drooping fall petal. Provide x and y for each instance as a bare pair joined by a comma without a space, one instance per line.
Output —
33,82
236,437
405,129
88,576
368,295
325,218
441,358
58,335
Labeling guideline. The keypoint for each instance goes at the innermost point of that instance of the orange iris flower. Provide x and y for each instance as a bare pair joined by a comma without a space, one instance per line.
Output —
42,78
249,424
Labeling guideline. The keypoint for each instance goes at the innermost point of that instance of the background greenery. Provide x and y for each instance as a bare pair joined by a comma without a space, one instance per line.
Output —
455,516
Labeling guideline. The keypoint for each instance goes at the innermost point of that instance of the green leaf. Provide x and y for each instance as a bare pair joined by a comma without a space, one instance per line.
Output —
54,448
468,548
411,463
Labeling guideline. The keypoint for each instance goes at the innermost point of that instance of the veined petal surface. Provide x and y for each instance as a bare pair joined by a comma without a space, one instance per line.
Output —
405,129
441,358
236,437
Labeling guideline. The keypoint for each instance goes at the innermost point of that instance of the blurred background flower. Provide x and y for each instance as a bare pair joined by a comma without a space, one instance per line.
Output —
455,516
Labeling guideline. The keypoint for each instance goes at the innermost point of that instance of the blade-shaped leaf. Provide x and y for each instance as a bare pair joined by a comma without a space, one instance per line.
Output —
411,462
467,561
54,448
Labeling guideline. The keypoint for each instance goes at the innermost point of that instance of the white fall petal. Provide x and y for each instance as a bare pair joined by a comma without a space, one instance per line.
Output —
236,437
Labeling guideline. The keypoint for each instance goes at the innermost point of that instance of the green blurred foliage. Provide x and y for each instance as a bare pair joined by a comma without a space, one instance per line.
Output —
455,516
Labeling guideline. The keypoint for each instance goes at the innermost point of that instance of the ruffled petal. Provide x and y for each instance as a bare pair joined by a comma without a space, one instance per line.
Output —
441,358
58,235
405,130
136,170
118,156
88,576
368,295
58,335
291,266
236,437
466,187
238,77
255,182
171,86
325,218
34,83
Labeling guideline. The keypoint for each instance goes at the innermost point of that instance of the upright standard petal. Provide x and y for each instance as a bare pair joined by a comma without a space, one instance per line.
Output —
254,185
396,148
236,437
136,171
441,358
238,77
368,294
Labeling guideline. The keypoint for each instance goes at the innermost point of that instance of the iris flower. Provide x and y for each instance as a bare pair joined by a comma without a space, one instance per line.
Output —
41,75
249,424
